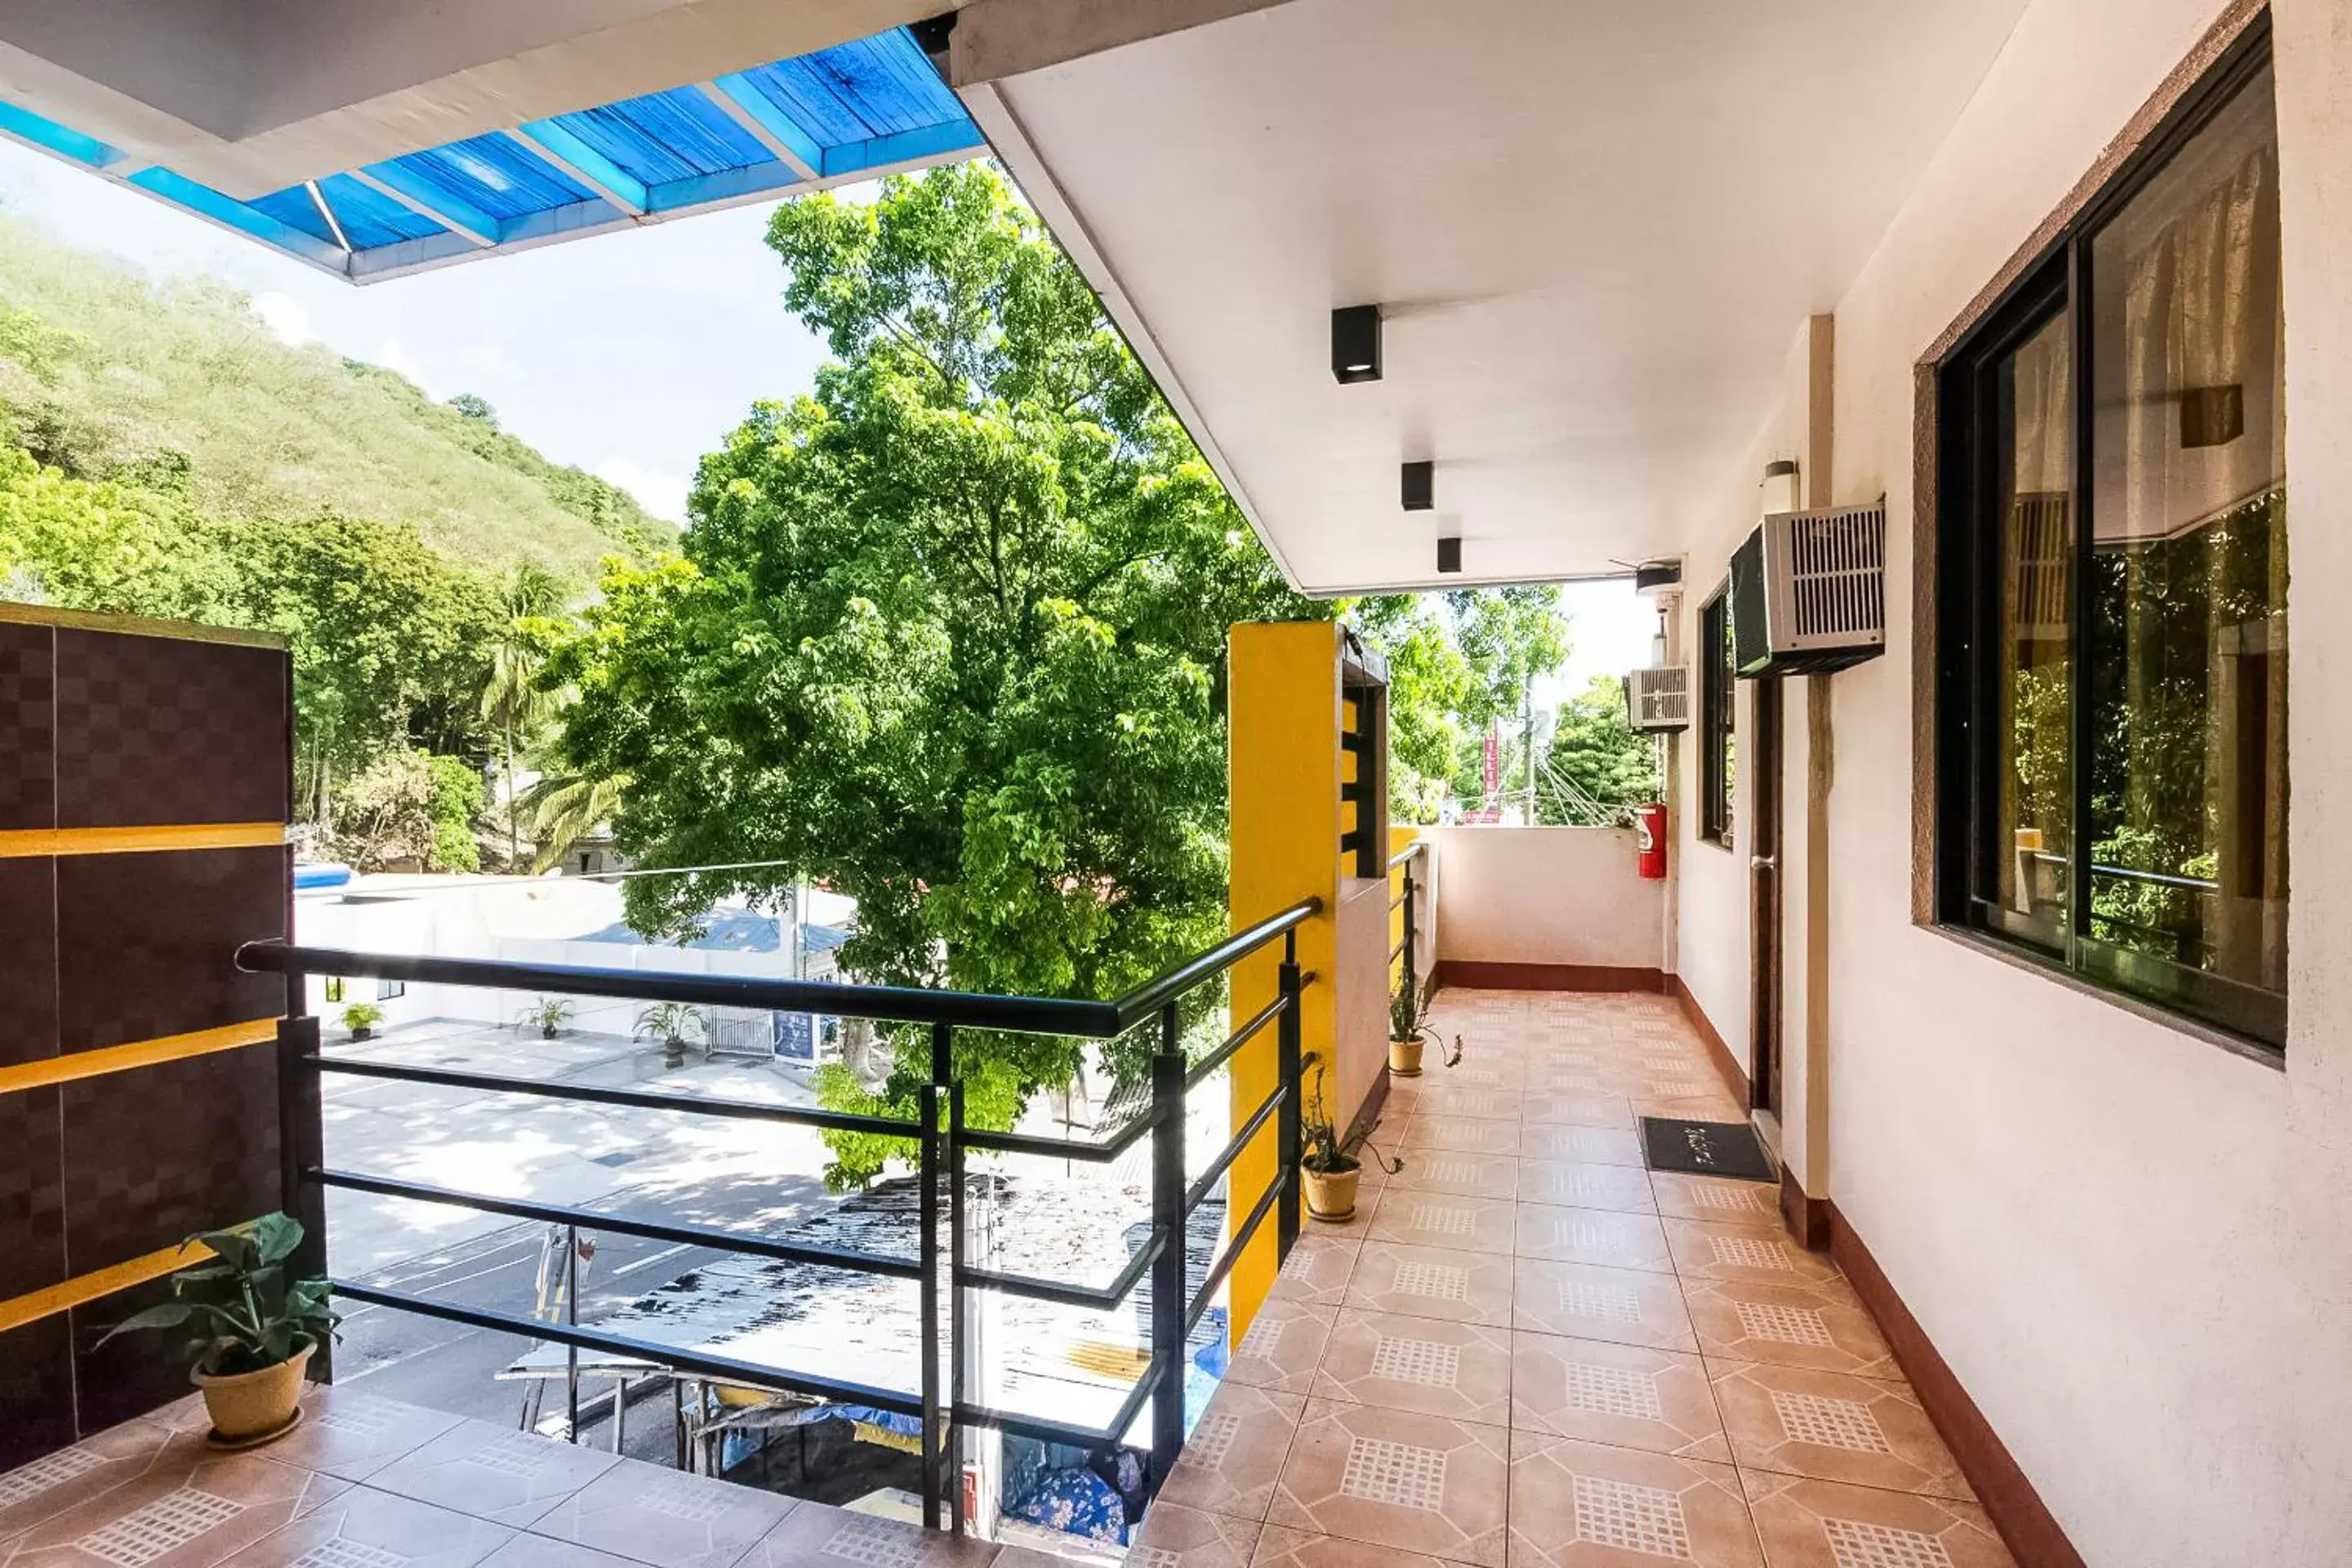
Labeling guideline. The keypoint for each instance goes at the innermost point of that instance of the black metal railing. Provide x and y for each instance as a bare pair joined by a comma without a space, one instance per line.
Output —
943,1141
1408,901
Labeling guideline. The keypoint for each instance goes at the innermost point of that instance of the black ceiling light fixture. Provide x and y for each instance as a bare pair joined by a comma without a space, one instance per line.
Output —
1418,489
1449,555
1356,344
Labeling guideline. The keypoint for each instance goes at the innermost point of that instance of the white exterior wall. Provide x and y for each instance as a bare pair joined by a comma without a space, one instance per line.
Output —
1545,895
2133,1247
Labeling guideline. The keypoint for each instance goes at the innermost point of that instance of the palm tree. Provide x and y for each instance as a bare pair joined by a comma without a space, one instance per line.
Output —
514,702
564,808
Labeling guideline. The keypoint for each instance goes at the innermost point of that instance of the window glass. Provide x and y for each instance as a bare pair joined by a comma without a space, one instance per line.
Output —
2188,565
1716,759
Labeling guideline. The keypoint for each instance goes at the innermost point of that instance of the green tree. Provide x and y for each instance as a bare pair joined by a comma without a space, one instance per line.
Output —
452,802
563,808
1596,748
514,703
1432,686
111,546
948,636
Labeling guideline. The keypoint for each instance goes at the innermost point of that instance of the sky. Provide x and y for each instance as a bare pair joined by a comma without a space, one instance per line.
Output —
629,353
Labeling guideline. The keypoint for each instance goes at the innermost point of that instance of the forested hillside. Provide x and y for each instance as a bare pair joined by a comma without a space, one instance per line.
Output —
105,374
162,454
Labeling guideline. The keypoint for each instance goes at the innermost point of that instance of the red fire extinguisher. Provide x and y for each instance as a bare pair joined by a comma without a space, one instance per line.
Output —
1651,822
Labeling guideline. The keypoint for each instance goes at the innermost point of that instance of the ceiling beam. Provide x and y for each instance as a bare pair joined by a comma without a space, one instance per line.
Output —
425,200
562,150
748,107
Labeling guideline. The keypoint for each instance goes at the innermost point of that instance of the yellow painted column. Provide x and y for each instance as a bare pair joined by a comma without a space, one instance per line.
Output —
1286,769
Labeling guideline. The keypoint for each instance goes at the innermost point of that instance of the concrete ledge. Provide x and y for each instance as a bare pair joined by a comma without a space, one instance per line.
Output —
2026,1524
1488,974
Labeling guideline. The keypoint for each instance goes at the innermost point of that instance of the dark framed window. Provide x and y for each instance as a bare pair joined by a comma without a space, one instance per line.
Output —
1716,759
335,988
385,990
2112,782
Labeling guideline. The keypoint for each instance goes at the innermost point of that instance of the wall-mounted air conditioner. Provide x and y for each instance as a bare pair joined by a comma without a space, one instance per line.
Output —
1658,699
1809,592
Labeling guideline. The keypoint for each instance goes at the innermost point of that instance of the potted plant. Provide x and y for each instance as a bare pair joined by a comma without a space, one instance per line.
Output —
671,1022
361,1018
252,1331
1327,1161
1408,1028
549,1014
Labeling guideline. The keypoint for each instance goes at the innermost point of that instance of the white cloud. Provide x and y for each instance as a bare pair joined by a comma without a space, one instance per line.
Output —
286,317
392,356
662,494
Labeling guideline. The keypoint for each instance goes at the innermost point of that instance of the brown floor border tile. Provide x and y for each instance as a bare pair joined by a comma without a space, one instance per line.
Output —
2026,1524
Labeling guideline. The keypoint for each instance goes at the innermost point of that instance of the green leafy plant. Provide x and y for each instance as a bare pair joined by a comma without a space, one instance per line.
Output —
1409,1017
242,1313
361,1018
548,1014
673,1024
1323,1149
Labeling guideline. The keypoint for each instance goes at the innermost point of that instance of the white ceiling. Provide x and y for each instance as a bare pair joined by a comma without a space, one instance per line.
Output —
1595,229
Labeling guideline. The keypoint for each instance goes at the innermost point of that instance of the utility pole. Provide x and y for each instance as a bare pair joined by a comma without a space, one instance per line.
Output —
1528,741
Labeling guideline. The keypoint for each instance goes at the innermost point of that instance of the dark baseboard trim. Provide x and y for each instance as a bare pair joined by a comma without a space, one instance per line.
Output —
1808,1218
1486,974
1727,1066
2025,1522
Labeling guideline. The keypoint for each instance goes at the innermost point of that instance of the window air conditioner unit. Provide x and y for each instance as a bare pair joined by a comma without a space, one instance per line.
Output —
1657,700
1809,592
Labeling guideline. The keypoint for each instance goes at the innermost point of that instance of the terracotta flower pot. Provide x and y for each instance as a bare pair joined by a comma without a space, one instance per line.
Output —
245,1405
1404,1057
1331,1194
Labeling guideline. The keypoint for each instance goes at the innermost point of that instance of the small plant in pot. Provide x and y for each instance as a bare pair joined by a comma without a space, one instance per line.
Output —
361,1018
548,1015
673,1024
1408,1029
251,1331
1328,1164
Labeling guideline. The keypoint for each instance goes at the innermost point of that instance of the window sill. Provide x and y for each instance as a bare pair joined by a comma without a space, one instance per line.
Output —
2032,963
1722,844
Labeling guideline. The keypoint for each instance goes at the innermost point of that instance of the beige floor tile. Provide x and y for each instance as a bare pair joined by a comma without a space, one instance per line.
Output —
1439,1368
815,1536
1624,1306
364,1526
1464,1175
1578,1110
353,1434
1715,1198
1820,1525
1236,1452
1481,1067
1296,1549
1626,1394
189,1507
1396,1478
1573,1184
1592,1505
1173,1536
538,1552
1818,1324
1710,1249
493,1472
71,1477
1441,1099
664,1518
1442,1219
1463,1134
1434,1282
1605,1236
1318,1266
1584,1145
1834,1426
1283,1347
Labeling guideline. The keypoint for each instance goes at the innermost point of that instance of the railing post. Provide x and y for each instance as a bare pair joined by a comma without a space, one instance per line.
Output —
1288,1070
1412,954
301,1149
934,1421
958,1325
1170,1289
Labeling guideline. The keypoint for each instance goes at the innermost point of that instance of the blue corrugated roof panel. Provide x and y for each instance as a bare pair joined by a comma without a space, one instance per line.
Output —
293,207
858,91
370,217
665,137
491,174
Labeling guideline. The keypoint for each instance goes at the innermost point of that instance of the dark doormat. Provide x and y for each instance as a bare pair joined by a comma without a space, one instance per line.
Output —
1706,1149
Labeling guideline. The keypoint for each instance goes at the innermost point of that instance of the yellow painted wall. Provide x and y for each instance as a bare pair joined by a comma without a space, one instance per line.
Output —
1285,767
1400,835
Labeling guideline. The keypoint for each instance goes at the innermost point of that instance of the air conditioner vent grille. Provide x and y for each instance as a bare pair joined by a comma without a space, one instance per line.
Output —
1659,699
1837,572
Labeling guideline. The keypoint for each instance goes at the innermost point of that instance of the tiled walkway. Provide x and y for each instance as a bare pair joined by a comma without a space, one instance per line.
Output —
1528,1351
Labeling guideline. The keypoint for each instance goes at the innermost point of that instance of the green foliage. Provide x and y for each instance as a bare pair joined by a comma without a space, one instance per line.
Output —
453,802
409,804
671,1022
362,1016
241,1313
548,1015
1324,1148
948,636
110,545
562,809
1596,747
102,372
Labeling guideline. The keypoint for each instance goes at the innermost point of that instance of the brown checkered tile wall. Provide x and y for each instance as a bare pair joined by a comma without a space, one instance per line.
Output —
128,726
